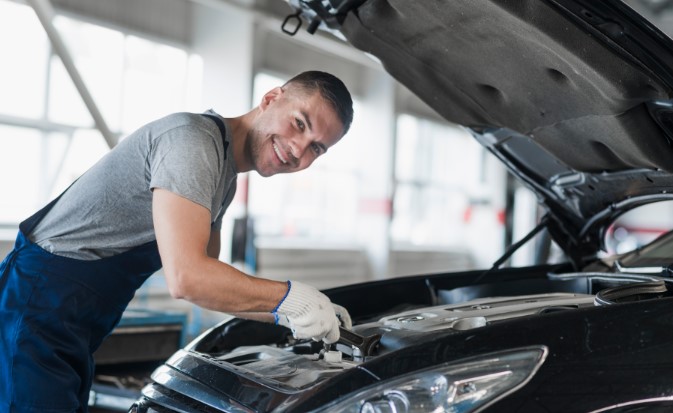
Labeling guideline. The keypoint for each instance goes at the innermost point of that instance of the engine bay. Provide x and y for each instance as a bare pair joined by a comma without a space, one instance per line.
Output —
283,362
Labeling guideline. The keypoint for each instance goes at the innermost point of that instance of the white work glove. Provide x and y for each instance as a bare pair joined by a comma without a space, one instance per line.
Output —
343,316
310,314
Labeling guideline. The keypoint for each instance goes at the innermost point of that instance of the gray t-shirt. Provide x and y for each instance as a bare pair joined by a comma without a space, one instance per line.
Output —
108,210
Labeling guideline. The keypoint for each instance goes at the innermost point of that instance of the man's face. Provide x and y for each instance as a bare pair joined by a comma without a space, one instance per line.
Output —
293,128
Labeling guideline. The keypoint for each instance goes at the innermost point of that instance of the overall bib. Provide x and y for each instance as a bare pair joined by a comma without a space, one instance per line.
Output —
54,313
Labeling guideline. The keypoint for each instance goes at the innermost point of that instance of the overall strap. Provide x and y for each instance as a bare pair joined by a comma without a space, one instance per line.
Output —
223,130
28,225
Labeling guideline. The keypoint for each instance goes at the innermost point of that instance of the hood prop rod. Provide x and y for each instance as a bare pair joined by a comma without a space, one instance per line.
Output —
514,247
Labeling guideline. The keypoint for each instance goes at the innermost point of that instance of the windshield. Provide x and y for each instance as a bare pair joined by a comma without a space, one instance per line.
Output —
659,253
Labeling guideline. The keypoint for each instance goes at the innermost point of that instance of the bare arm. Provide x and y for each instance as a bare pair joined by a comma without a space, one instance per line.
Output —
213,250
214,245
187,246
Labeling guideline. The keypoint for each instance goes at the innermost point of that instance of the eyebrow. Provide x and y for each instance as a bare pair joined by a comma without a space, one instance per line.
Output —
308,120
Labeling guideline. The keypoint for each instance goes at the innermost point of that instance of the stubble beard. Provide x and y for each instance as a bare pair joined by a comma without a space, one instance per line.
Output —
254,150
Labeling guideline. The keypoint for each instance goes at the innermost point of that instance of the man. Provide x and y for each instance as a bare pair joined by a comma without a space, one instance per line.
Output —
155,200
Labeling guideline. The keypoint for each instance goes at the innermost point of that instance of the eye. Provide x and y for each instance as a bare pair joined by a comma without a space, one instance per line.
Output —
317,149
300,124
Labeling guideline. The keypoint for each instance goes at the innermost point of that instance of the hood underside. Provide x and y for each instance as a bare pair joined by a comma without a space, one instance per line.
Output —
530,66
573,96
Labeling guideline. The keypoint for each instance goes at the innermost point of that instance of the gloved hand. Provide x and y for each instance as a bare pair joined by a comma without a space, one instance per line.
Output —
343,316
310,314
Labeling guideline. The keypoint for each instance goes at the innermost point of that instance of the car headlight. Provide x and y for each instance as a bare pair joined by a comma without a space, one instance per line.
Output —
463,386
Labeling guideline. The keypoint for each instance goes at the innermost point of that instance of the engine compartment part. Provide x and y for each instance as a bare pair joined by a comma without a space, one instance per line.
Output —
271,353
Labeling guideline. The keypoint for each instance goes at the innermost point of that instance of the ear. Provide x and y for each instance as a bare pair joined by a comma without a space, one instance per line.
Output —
270,97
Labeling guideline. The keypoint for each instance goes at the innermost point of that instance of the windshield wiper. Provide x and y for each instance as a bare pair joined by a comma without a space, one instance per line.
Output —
643,270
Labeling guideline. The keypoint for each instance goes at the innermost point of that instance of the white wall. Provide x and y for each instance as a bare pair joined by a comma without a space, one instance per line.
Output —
376,177
223,37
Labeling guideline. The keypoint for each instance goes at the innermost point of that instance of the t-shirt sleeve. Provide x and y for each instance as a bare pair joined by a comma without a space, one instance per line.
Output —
184,160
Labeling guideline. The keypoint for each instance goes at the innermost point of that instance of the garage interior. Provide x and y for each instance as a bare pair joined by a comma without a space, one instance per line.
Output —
405,192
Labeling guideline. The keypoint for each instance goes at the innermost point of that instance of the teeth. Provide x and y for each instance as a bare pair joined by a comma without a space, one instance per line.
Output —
280,155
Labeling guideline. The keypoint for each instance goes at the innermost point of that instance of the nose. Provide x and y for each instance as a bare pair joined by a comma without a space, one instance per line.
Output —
299,143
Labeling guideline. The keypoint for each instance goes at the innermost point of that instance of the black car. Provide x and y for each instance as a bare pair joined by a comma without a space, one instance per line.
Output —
574,97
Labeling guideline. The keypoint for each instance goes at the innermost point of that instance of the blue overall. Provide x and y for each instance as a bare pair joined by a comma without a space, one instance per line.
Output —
54,313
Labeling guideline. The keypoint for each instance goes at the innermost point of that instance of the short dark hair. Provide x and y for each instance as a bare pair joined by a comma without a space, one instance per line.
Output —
331,89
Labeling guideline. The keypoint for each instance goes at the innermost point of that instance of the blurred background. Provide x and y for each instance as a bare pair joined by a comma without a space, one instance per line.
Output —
404,193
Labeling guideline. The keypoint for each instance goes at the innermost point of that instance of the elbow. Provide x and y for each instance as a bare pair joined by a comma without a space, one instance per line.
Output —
178,283
177,292
184,276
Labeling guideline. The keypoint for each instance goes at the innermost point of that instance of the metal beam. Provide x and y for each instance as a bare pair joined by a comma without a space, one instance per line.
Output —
43,125
45,13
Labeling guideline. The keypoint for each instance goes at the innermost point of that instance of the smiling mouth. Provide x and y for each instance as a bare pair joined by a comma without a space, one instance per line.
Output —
279,153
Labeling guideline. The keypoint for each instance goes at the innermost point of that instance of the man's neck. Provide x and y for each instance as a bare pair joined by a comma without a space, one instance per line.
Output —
239,127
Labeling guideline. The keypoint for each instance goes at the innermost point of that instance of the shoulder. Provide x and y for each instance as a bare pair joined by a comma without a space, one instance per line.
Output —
183,126
183,120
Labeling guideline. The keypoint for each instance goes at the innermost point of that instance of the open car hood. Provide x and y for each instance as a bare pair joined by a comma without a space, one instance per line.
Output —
573,96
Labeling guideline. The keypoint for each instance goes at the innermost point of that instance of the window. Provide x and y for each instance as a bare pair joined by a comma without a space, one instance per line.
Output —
23,70
440,187
638,227
47,136
97,53
19,172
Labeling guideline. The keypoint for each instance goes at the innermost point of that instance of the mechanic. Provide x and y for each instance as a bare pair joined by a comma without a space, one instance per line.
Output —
157,199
